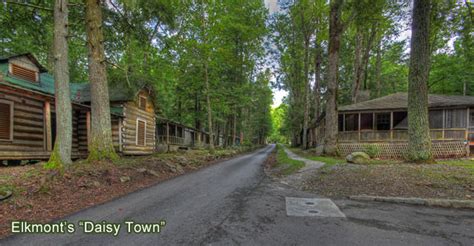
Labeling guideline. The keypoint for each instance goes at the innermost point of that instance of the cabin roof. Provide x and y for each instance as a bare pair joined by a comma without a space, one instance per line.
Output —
400,101
117,92
29,56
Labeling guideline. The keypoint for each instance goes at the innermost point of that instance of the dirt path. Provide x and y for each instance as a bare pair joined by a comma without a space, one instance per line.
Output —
297,179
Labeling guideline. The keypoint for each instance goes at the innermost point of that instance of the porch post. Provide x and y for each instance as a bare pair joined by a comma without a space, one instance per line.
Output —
391,126
167,133
88,127
358,128
444,124
47,124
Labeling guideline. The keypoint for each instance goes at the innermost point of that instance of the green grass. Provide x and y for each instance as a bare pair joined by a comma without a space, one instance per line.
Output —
465,163
290,165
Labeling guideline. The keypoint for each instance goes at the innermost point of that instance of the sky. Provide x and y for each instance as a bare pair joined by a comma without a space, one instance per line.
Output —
278,95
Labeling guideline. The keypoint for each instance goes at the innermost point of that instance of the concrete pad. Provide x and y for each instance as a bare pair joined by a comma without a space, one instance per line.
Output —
304,207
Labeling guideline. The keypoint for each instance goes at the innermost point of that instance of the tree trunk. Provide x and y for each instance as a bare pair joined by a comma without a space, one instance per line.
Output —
378,69
234,131
209,109
307,94
61,154
357,66
101,146
335,31
317,81
419,144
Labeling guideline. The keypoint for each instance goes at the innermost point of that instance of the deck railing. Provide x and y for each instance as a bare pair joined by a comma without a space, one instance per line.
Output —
171,140
399,135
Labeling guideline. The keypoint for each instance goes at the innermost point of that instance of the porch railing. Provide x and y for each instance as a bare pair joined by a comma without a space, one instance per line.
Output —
172,140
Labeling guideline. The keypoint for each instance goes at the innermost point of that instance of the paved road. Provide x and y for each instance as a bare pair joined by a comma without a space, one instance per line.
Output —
234,203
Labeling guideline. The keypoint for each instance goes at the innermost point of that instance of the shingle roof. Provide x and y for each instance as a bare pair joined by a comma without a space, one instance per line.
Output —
30,56
400,101
116,93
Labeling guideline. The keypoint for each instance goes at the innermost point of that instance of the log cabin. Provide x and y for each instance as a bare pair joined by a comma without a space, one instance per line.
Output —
27,112
133,121
172,136
383,123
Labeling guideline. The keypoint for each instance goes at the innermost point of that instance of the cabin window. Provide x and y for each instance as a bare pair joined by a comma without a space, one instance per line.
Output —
180,132
352,122
367,121
382,121
6,120
340,121
436,119
456,118
24,73
400,120
141,132
142,102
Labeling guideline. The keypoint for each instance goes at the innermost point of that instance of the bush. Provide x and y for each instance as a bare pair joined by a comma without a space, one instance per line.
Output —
372,150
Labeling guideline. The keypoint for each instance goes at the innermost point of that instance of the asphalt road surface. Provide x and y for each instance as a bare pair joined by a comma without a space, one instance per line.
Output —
234,203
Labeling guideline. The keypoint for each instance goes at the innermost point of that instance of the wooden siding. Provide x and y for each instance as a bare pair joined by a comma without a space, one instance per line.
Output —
29,128
132,113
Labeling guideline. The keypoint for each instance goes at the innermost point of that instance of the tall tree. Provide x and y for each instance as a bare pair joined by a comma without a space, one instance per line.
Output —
335,32
101,146
61,154
419,142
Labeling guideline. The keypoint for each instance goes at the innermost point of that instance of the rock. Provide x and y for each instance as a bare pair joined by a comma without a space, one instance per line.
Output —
179,169
5,195
319,150
182,160
124,179
141,170
358,158
152,172
96,183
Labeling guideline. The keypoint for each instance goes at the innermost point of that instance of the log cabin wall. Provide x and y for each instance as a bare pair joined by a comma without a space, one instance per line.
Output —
116,131
29,138
136,115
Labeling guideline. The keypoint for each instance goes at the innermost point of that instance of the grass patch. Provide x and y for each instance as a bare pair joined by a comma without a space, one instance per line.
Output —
465,163
287,164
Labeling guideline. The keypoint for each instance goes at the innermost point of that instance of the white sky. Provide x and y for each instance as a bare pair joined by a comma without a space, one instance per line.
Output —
278,95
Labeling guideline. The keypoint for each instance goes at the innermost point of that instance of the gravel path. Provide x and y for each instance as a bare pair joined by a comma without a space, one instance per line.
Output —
297,179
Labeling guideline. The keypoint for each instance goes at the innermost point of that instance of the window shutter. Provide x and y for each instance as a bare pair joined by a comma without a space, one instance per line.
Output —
5,121
141,133
142,103
23,73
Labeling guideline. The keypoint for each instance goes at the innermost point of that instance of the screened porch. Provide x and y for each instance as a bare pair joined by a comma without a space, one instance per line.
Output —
392,126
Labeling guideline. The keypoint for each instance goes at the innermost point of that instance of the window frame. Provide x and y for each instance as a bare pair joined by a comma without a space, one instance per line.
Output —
11,103
144,132
140,97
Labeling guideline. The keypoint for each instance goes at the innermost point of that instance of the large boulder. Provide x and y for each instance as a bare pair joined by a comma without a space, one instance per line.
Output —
319,150
358,158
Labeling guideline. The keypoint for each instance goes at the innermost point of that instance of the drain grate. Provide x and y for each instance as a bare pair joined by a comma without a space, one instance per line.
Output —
312,207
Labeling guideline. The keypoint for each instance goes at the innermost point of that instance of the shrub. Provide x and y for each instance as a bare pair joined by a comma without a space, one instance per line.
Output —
372,150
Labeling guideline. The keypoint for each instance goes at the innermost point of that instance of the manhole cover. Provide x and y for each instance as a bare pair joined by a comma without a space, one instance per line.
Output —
312,207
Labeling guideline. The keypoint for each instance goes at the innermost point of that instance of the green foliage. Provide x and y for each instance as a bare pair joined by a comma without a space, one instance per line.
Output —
372,150
279,133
